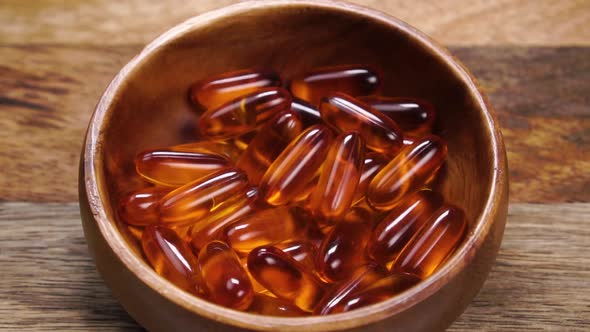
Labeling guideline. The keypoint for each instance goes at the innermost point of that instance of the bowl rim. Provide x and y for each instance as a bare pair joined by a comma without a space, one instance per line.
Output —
93,178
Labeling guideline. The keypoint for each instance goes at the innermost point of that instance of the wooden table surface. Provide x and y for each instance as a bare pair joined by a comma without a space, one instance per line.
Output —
532,58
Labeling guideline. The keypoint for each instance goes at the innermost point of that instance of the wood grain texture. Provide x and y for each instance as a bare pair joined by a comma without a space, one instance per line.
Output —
47,94
539,282
456,22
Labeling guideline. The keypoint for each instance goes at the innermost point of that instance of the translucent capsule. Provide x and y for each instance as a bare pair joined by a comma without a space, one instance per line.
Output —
256,286
285,277
175,168
266,146
407,172
363,277
170,256
414,116
346,113
244,114
397,228
141,207
224,279
222,148
433,243
288,176
308,113
241,143
194,200
339,178
355,80
215,91
272,306
266,227
302,251
372,164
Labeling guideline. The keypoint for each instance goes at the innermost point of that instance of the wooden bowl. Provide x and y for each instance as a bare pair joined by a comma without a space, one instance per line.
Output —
146,106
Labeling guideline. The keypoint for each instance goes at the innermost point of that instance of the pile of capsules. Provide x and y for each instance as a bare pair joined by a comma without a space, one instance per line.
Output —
311,200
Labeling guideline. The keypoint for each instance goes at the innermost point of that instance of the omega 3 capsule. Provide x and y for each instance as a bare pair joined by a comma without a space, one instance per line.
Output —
407,172
272,306
288,176
308,113
222,148
223,277
194,200
217,90
140,208
355,80
175,168
339,178
285,277
268,143
397,228
170,256
302,251
372,164
244,114
346,113
414,116
433,243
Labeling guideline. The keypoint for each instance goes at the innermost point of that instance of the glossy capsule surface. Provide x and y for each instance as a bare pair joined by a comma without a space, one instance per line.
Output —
268,143
433,243
272,306
285,277
217,90
242,115
355,80
414,116
194,200
223,277
407,172
308,113
346,113
288,176
170,256
175,168
339,178
222,148
395,230
372,164
302,251
140,207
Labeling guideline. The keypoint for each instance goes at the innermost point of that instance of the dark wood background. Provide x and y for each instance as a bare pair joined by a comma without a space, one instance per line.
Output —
531,57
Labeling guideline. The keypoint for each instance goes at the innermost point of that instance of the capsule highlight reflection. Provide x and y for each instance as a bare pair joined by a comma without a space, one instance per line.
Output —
414,116
140,207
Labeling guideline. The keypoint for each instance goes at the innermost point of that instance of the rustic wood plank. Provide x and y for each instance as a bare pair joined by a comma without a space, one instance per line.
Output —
47,94
539,282
456,22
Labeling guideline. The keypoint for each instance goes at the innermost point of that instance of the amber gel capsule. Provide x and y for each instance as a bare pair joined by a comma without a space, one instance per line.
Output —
268,143
397,228
288,176
407,172
285,277
222,148
302,251
346,113
244,114
339,178
308,113
140,208
223,277
372,164
436,240
175,168
355,80
217,90
272,306
195,199
170,256
414,116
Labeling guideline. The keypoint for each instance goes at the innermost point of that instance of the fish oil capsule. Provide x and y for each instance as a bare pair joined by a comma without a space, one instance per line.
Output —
285,277
433,243
302,251
266,227
170,256
272,306
242,142
414,116
397,228
140,208
174,168
195,199
288,176
222,148
346,113
372,164
223,277
355,80
268,143
363,277
339,178
308,113
407,172
217,90
242,115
